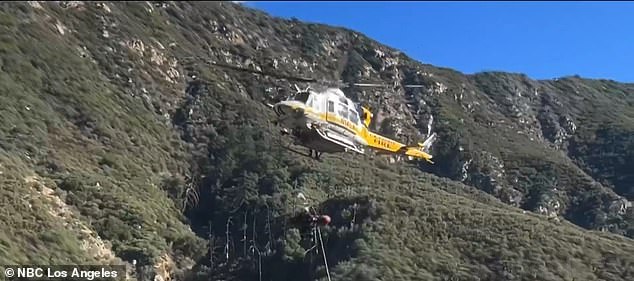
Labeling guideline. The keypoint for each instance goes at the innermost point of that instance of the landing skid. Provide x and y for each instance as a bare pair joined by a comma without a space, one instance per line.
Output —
295,151
318,141
285,131
337,139
316,156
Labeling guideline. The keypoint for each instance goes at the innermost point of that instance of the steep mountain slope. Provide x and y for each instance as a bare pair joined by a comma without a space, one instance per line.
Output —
119,143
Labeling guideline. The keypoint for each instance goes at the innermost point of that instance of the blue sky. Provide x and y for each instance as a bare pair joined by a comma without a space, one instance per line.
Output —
541,39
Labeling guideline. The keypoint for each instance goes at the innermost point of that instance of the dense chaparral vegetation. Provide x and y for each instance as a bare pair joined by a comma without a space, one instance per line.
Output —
120,144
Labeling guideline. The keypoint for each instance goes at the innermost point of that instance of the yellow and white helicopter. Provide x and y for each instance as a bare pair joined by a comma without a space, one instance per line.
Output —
329,122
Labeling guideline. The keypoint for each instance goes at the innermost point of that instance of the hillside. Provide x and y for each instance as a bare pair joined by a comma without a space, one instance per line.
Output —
119,143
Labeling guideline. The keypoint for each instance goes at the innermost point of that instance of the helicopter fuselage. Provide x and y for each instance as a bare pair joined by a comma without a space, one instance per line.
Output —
313,130
329,122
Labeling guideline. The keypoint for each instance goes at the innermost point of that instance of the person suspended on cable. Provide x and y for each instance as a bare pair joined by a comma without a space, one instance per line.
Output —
308,220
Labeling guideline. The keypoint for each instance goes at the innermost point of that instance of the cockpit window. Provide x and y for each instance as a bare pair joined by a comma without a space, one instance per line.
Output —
302,96
352,116
343,111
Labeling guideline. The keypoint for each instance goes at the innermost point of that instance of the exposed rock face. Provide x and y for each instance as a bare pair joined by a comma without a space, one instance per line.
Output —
120,110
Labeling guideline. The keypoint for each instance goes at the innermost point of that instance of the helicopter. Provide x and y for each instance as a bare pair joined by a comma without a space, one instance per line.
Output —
326,121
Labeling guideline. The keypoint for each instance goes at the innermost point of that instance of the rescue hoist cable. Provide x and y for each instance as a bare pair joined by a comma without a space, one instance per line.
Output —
323,252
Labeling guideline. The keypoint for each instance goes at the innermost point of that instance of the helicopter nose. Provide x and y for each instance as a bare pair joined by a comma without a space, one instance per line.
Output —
282,109
278,110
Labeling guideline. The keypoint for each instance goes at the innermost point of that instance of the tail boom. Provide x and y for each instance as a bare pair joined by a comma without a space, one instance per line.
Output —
417,152
388,146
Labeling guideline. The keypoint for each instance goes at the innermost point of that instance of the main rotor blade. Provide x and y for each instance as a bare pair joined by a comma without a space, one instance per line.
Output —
384,85
304,79
368,85
280,76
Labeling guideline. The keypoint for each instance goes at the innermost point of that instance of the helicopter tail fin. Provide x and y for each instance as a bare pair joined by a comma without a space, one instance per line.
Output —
426,145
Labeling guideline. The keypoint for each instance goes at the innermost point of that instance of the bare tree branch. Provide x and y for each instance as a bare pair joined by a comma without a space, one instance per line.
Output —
228,239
